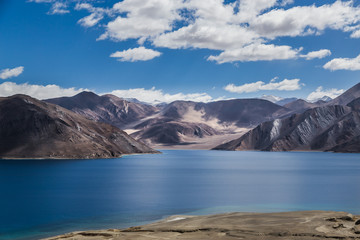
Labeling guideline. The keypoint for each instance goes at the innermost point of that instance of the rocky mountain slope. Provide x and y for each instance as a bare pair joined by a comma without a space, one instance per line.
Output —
333,126
329,128
278,100
347,96
30,128
302,105
108,108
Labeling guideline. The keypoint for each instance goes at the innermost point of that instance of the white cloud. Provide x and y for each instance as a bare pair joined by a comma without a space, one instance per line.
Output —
97,14
352,64
143,19
206,34
320,93
249,9
284,85
135,54
91,20
297,21
256,52
59,8
242,30
286,2
152,95
155,96
11,72
317,54
37,91
84,6
41,1
355,34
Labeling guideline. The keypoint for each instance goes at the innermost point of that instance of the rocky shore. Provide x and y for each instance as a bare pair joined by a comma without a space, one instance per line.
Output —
306,225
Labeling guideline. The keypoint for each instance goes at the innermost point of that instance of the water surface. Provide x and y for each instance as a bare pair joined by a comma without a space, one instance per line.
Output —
41,198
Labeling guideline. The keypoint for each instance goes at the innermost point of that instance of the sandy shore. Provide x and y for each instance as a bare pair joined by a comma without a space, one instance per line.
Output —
306,225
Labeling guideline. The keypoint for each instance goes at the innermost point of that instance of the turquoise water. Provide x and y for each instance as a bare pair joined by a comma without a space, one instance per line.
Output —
42,198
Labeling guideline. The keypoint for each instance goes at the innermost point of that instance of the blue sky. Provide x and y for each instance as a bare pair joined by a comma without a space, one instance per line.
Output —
194,50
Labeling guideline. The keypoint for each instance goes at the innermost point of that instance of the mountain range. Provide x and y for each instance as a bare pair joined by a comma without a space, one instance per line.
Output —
187,124
180,122
332,126
88,125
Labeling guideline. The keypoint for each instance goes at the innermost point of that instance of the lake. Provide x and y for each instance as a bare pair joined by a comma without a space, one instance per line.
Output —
42,198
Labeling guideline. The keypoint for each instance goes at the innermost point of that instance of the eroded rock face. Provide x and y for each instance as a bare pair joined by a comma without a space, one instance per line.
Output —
185,119
30,128
329,128
308,225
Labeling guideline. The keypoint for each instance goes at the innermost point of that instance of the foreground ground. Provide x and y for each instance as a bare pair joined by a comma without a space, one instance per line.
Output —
308,225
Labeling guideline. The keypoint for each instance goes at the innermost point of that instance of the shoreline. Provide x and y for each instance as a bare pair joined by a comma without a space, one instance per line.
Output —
160,149
59,158
301,225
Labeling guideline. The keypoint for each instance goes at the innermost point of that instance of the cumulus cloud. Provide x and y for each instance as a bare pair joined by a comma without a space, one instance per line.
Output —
11,72
317,54
91,20
152,95
143,18
241,30
284,85
320,93
155,96
58,8
135,54
355,34
306,20
41,1
256,52
286,2
37,91
352,64
206,35
97,14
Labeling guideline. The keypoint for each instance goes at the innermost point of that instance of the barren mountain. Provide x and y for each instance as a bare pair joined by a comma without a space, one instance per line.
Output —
108,108
184,122
302,105
347,96
285,101
30,128
329,128
326,128
179,122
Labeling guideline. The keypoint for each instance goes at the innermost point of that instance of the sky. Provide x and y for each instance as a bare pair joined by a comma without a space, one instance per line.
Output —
166,50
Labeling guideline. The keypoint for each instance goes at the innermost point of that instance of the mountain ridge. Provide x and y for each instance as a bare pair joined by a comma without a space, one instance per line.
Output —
30,128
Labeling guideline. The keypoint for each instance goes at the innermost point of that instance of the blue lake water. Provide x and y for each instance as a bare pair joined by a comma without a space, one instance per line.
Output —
40,198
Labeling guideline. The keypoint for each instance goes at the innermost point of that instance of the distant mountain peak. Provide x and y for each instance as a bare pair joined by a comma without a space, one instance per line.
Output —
347,96
271,98
86,94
